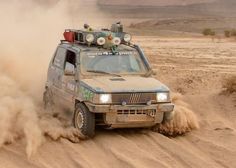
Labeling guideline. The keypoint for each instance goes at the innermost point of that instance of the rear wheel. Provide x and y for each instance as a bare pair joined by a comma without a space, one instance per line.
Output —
84,120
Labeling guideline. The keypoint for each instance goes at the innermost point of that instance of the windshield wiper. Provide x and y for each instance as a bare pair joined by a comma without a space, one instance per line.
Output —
103,72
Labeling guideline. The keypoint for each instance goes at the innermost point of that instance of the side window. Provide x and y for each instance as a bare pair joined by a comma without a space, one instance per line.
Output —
71,57
70,63
60,58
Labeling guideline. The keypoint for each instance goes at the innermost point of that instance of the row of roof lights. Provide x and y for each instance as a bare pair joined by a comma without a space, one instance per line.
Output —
101,40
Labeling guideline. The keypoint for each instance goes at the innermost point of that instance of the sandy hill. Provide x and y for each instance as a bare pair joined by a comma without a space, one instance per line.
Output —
152,16
152,2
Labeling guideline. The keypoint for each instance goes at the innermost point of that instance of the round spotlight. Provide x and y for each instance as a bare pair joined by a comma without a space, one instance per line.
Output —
101,41
116,41
127,38
89,38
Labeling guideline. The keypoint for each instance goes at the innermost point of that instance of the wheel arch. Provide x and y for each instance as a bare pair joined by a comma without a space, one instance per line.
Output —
89,127
79,101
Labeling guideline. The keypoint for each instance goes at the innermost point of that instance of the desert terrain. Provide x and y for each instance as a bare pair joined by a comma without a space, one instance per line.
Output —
196,68
200,72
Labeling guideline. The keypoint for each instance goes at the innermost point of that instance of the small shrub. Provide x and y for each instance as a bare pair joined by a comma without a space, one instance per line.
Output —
207,32
227,33
230,84
233,32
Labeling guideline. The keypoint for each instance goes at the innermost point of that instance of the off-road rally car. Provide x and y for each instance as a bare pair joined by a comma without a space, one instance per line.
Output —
104,79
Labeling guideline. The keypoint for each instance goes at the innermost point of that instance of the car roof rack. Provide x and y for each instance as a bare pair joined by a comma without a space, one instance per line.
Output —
104,38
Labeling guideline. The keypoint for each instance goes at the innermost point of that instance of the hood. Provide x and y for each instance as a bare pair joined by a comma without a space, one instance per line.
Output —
110,84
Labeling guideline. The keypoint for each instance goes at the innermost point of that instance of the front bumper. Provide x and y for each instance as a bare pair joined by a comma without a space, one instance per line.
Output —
118,116
95,108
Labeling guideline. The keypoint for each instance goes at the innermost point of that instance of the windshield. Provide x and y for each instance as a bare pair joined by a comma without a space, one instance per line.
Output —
128,62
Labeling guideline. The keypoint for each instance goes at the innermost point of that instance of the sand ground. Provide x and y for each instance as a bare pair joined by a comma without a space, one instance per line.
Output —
195,67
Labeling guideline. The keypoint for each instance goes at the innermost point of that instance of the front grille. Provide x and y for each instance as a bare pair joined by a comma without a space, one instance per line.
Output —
150,112
133,98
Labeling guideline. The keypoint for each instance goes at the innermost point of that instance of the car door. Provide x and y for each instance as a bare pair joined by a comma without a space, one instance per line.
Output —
57,72
68,79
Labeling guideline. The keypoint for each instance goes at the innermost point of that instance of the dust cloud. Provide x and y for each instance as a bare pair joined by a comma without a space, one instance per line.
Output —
184,119
56,127
30,31
18,116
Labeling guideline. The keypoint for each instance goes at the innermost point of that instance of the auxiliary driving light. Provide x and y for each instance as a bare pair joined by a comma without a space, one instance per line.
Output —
89,38
105,98
101,41
127,38
116,41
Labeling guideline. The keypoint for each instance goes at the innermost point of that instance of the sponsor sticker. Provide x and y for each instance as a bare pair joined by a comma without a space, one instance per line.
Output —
92,54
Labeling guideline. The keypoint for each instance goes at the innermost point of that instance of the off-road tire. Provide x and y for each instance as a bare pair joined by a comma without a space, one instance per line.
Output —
87,127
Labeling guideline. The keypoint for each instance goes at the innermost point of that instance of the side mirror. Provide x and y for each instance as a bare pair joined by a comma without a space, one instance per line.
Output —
69,69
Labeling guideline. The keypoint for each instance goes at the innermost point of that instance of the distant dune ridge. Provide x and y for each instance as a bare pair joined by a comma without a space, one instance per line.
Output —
152,2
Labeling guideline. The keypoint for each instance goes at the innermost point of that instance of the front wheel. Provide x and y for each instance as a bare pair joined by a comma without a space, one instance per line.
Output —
84,120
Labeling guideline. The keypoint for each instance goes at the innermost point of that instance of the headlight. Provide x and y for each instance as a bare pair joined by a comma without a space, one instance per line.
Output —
105,98
127,38
162,97
89,38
